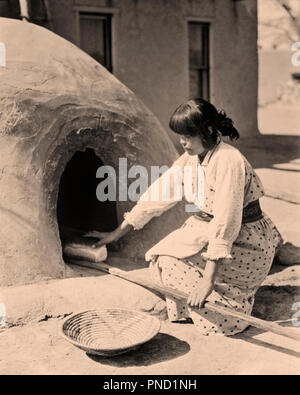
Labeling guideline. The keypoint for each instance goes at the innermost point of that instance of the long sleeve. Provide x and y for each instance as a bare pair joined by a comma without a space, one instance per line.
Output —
163,194
227,207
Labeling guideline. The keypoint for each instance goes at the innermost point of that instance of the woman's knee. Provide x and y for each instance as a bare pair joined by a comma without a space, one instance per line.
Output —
165,261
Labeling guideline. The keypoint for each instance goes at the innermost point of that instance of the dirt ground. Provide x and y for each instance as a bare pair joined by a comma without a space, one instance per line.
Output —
39,348
177,349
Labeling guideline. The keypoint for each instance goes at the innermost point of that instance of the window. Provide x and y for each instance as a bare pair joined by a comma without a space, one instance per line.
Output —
95,37
10,9
38,10
199,59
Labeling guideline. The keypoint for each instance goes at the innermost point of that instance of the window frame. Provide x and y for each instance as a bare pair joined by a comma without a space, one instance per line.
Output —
99,11
209,50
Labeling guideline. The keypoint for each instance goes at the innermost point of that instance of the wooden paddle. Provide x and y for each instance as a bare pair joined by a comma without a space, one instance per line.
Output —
256,322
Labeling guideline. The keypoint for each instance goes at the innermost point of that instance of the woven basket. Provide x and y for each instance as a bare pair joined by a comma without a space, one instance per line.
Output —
109,332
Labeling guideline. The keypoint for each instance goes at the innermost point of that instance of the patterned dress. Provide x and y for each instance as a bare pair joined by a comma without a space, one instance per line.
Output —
224,183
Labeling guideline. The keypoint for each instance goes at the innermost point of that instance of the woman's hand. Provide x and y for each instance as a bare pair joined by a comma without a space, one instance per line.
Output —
198,296
104,238
109,237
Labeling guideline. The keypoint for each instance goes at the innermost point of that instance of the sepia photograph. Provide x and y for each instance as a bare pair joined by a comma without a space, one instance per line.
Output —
149,190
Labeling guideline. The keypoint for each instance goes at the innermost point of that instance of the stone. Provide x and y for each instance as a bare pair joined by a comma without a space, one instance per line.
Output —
289,254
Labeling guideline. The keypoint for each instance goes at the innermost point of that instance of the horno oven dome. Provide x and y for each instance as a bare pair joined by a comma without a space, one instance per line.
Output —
62,116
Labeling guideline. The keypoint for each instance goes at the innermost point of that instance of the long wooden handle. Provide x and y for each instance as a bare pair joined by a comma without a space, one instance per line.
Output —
256,322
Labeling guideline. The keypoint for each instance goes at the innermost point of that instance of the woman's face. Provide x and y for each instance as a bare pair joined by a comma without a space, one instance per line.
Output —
192,145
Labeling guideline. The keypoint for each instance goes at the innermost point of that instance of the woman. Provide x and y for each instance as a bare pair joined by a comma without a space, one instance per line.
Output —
222,253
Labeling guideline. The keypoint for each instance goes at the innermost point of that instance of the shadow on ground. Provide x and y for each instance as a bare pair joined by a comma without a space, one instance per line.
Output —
250,336
267,150
273,303
278,266
162,348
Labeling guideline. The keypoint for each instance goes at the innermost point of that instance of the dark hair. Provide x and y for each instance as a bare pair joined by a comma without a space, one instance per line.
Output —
198,117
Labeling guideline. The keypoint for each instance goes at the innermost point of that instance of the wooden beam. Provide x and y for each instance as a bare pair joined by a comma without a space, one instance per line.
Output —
180,295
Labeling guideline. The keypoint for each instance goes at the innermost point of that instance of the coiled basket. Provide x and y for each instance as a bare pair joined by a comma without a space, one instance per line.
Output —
109,332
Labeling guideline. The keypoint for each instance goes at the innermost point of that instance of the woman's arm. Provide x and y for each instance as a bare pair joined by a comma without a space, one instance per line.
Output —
210,272
163,194
224,228
199,295
110,237
226,224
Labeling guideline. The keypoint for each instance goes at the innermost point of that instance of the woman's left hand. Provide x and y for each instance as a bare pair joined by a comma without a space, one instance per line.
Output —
198,296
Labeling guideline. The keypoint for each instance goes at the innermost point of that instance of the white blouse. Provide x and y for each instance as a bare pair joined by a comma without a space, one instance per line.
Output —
221,185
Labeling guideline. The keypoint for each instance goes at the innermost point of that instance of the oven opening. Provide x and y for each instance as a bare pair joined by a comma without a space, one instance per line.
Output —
78,209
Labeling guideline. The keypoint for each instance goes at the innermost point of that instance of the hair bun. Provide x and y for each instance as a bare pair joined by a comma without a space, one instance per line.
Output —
225,126
223,122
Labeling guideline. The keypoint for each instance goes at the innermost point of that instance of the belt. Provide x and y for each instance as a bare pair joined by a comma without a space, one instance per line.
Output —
252,212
